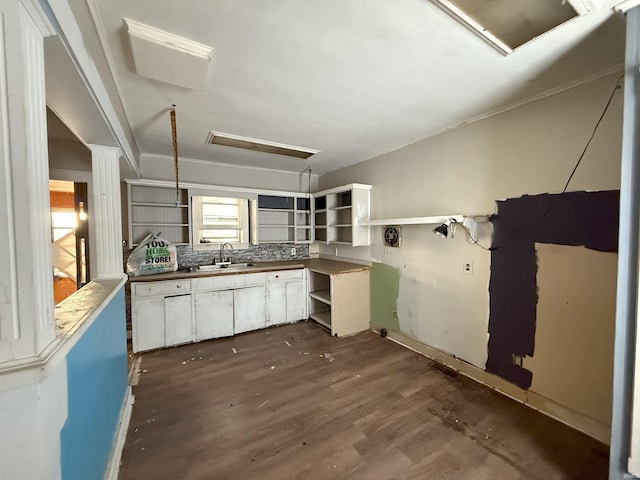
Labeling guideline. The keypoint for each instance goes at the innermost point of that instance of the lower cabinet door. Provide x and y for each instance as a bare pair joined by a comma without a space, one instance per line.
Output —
147,323
214,314
249,309
177,320
295,301
276,303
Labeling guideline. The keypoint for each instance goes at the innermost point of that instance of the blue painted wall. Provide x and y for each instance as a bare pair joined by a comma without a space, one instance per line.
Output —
97,382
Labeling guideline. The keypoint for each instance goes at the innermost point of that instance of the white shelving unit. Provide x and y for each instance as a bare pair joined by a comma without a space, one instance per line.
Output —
339,301
469,222
152,208
339,214
284,219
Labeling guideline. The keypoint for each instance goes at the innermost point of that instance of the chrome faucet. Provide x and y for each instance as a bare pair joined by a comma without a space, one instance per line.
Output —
222,260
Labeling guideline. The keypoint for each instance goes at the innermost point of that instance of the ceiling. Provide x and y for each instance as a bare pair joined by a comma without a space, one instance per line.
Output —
350,78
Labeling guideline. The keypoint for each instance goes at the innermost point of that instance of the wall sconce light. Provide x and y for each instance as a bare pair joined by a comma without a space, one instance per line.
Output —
443,230
82,215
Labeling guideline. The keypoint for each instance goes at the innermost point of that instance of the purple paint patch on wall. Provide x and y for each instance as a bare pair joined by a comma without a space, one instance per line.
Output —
588,219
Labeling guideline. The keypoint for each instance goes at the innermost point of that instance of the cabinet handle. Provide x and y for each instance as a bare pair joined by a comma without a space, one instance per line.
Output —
179,285
277,276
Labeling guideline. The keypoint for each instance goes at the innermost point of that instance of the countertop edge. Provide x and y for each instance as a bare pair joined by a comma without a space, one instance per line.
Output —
323,266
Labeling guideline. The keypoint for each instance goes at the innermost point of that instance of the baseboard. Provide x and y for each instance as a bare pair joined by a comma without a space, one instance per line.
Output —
547,406
113,467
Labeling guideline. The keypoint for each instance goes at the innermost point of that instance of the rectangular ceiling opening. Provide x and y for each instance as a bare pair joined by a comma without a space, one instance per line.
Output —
236,141
507,24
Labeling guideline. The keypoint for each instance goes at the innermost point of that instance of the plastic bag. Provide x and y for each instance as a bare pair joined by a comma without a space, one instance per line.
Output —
153,255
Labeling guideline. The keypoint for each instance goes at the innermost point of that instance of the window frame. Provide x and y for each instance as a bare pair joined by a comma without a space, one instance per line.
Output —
197,223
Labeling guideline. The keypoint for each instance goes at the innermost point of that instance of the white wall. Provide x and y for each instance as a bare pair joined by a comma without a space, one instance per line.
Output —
32,417
528,150
69,155
158,167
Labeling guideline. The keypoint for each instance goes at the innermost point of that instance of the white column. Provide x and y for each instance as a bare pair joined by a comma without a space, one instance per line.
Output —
105,165
625,437
26,279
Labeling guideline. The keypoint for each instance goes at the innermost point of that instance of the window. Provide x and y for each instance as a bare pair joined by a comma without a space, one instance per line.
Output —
217,220
62,222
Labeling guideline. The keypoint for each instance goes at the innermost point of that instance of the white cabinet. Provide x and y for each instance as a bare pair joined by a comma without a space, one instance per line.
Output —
214,314
177,320
286,299
249,309
171,312
296,301
277,303
161,314
147,323
241,298
340,300
338,212
227,305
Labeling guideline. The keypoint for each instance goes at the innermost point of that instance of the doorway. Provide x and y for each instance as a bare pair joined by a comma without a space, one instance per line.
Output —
69,237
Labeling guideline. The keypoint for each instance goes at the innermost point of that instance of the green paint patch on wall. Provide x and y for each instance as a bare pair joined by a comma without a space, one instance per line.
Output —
385,284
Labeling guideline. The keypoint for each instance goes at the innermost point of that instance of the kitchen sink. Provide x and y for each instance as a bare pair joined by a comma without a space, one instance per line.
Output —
224,266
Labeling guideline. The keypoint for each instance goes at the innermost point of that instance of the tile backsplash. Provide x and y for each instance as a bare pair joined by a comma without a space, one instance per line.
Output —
187,257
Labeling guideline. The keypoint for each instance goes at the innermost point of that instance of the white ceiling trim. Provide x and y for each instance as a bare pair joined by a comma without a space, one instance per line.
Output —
206,186
223,164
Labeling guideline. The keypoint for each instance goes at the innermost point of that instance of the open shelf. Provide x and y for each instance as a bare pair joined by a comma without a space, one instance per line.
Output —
338,213
323,318
284,219
322,295
152,208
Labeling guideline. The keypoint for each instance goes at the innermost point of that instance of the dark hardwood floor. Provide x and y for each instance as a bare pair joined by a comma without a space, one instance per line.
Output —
293,402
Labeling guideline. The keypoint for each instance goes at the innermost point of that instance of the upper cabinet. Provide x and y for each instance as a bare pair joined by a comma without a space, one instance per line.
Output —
154,209
284,219
338,212
336,216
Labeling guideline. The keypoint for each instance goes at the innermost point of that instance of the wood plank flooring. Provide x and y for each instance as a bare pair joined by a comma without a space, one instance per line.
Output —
280,408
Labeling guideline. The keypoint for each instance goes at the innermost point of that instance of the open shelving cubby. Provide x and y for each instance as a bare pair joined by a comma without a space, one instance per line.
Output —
284,219
320,298
338,212
153,209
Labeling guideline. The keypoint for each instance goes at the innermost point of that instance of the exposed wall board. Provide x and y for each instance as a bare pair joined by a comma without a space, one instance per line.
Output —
573,359
577,218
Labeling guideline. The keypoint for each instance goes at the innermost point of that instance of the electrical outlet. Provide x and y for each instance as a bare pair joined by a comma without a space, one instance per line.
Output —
293,252
467,267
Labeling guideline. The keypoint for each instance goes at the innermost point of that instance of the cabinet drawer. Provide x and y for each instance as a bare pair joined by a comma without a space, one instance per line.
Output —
285,275
173,287
229,281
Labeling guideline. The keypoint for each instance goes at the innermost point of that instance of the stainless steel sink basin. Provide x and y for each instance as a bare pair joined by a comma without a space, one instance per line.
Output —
224,266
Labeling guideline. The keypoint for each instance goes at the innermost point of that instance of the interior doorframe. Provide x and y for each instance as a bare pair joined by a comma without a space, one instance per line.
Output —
78,176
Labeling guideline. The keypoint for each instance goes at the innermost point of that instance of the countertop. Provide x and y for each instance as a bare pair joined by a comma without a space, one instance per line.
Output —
320,265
